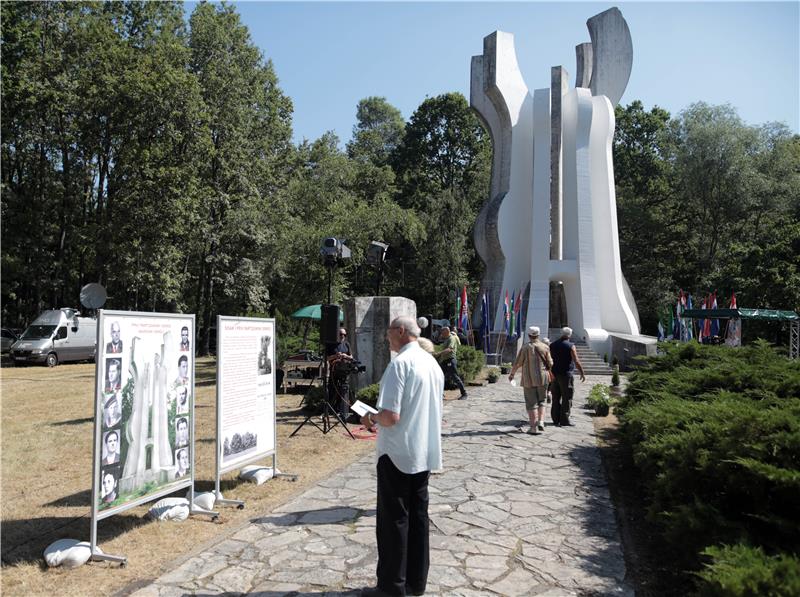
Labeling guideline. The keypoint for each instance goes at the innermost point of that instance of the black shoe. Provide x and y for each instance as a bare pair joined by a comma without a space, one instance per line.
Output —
567,424
374,592
410,591
462,397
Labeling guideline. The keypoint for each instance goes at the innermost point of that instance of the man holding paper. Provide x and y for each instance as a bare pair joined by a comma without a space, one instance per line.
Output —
409,447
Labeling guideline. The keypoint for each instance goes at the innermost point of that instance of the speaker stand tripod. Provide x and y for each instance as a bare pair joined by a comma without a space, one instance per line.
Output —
325,424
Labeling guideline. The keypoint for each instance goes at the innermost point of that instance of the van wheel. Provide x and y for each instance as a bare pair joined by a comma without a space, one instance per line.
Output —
52,360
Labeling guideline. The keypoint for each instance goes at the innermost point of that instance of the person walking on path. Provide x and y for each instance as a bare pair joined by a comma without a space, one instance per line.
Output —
449,359
408,447
565,360
535,361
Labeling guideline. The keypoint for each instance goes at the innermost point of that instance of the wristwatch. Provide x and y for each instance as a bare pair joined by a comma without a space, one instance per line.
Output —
371,420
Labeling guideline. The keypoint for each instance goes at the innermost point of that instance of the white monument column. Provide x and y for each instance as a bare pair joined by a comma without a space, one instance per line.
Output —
551,214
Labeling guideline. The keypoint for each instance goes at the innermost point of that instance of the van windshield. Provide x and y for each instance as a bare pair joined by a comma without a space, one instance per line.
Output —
37,332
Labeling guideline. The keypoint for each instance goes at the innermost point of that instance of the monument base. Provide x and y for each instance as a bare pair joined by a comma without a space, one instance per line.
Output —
367,318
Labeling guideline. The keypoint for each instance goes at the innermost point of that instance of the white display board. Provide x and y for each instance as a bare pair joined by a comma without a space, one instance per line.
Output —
245,391
144,409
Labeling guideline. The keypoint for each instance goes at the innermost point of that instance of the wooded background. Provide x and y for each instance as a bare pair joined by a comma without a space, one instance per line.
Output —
155,158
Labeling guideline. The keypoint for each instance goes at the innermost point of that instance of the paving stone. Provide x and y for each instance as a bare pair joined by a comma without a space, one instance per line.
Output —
517,583
234,578
534,518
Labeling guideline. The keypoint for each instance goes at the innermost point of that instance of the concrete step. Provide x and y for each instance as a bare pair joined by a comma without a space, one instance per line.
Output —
593,363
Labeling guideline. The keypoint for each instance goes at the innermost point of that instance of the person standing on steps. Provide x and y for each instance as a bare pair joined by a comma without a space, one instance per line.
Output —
565,360
449,360
535,361
409,447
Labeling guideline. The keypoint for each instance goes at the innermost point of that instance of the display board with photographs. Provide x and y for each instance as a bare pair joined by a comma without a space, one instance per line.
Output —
245,390
144,408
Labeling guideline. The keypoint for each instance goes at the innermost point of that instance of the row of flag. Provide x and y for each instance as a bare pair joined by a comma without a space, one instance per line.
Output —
512,318
673,326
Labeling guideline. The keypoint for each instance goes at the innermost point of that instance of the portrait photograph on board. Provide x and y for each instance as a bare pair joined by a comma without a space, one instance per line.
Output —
113,375
181,431
144,401
109,479
111,446
181,462
115,346
182,400
184,346
112,410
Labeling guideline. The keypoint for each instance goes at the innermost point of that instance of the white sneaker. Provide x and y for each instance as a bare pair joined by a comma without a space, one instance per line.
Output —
541,426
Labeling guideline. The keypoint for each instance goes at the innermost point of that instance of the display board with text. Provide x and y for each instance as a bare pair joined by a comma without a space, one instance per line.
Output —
144,408
245,390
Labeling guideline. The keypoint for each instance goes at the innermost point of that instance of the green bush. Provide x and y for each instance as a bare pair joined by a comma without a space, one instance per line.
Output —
599,399
493,374
470,362
743,571
697,372
598,395
615,376
715,433
369,394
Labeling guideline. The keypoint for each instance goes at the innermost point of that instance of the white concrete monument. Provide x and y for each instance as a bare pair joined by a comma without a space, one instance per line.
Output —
551,216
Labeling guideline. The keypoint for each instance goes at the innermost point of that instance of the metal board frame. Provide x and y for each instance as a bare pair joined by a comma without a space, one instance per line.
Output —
97,514
221,469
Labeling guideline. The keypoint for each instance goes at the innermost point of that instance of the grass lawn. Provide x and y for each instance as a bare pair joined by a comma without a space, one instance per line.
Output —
47,426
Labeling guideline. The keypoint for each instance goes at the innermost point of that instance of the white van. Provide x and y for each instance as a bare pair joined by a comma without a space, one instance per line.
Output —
57,336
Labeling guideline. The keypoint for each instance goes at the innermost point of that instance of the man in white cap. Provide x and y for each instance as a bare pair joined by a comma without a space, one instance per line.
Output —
535,361
565,360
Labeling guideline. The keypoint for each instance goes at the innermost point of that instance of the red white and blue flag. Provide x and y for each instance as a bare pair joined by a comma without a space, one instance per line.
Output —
463,316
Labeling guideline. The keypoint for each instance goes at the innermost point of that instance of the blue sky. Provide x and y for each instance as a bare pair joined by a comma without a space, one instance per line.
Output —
329,55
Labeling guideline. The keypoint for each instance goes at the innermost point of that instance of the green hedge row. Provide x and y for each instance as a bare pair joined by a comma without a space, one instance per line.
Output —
715,433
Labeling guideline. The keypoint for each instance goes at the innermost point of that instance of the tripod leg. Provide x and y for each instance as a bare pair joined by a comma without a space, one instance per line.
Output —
339,421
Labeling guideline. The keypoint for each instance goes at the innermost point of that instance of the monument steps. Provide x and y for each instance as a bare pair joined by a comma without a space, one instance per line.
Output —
593,363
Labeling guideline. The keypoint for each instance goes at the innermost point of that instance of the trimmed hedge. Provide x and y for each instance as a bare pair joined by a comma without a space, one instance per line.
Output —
715,433
743,571
470,362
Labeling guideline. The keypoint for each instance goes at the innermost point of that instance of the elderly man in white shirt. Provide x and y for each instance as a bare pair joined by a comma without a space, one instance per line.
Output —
409,447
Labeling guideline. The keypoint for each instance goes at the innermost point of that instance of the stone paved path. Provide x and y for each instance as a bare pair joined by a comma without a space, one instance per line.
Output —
511,513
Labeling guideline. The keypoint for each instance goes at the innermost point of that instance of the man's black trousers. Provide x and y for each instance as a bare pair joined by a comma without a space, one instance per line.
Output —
402,529
562,388
450,368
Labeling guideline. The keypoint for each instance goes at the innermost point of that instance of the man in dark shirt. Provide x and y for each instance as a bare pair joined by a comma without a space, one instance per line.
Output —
338,356
565,360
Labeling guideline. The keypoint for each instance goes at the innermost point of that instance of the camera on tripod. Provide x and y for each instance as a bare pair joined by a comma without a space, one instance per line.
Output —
345,367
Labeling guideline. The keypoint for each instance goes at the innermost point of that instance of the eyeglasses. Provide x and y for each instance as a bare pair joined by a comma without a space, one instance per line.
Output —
395,327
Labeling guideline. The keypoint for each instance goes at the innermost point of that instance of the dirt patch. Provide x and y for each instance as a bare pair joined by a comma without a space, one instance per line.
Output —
47,426
647,559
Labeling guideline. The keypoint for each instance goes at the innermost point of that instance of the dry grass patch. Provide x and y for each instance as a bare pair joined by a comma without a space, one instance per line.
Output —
47,426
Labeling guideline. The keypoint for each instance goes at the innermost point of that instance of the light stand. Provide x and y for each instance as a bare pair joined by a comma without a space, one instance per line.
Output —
332,251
